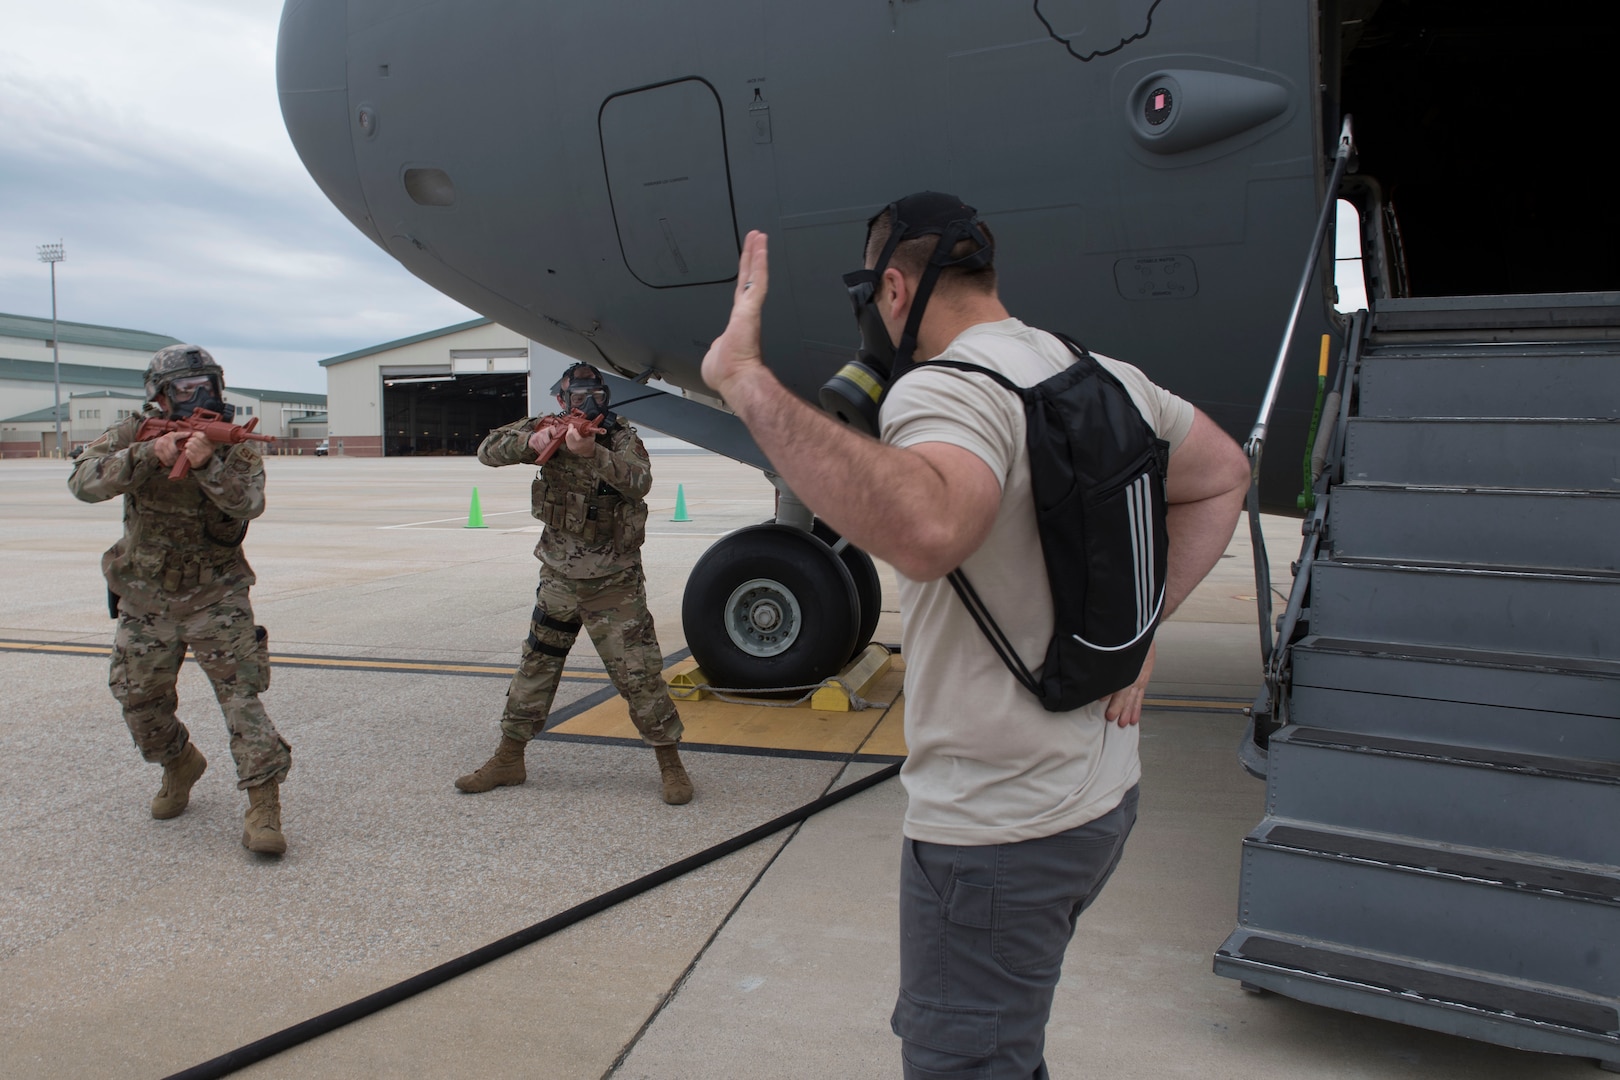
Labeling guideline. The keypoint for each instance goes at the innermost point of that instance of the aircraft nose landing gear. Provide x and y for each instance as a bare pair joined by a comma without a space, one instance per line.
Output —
771,606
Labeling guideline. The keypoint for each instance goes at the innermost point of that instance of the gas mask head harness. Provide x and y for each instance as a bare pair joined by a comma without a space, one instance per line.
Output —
854,394
581,387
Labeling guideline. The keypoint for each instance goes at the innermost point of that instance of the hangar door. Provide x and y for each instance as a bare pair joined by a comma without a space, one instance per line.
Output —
447,409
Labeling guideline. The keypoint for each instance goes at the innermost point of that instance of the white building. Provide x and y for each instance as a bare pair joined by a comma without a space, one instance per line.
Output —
102,373
94,360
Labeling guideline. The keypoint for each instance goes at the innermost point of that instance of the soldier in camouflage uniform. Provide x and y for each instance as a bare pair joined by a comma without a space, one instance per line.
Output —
591,497
177,577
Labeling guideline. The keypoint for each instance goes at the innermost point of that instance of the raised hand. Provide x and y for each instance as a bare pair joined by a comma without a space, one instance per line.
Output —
737,350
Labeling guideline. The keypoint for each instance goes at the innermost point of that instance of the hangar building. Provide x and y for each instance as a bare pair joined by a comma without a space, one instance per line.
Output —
436,393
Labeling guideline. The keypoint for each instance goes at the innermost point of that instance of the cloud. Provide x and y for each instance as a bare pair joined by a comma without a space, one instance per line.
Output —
154,149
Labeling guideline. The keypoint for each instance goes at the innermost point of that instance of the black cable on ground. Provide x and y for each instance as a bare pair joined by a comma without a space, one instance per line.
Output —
302,1032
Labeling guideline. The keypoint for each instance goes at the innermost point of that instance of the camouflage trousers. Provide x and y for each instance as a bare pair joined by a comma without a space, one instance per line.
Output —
146,658
614,610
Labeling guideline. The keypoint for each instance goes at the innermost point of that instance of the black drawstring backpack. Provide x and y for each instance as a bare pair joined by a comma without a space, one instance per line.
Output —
1097,470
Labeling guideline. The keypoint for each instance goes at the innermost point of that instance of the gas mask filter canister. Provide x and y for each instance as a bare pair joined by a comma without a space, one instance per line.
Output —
855,393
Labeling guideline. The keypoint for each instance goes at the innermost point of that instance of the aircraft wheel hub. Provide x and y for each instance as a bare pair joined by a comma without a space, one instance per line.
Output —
762,617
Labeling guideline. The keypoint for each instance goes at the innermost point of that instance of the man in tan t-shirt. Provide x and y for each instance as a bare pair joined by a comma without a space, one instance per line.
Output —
1016,816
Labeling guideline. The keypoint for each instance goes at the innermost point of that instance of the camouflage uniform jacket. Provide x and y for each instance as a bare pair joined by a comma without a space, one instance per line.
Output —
182,545
594,506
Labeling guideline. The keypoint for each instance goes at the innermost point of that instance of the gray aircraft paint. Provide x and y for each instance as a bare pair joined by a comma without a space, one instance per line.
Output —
596,167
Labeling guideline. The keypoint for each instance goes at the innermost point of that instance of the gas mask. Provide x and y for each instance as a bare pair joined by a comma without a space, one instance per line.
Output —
586,392
189,393
855,394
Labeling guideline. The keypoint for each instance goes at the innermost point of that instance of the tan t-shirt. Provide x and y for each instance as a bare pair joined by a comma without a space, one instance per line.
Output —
987,764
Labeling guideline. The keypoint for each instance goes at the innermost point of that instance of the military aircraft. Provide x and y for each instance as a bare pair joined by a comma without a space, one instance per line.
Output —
1156,173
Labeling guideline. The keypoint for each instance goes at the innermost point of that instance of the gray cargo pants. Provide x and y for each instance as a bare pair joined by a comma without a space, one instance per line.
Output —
982,936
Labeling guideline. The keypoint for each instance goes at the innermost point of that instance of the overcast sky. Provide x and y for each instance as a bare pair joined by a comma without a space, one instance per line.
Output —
147,137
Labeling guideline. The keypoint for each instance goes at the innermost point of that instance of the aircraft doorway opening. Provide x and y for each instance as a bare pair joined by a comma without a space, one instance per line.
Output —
447,415
1476,122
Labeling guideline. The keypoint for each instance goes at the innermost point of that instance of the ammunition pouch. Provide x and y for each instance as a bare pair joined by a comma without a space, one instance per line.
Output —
629,526
601,517
224,531
194,569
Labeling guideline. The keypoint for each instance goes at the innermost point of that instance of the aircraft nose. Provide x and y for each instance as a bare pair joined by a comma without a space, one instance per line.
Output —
312,81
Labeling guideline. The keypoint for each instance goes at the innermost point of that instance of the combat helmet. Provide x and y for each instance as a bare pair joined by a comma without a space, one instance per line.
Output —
179,361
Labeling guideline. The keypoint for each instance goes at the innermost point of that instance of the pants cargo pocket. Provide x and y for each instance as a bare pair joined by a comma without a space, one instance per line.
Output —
261,652
944,1042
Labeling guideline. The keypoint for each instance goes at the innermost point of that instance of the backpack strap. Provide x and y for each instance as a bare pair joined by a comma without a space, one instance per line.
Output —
963,365
1079,350
992,632
969,596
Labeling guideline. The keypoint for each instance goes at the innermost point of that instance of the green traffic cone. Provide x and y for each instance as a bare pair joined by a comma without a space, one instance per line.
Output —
680,504
475,514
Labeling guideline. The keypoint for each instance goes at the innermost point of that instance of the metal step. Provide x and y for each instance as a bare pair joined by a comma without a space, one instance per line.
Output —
1534,920
1564,530
1458,723
1511,680
1459,1001
1486,318
1557,455
1491,380
1549,807
1539,613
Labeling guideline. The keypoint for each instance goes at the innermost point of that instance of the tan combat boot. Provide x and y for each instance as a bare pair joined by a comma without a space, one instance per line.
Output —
261,830
503,770
178,776
677,785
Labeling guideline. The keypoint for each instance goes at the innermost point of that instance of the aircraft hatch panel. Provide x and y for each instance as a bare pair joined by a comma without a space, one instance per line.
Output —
664,149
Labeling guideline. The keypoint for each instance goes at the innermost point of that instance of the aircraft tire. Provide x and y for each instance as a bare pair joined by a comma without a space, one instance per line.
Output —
769,607
868,587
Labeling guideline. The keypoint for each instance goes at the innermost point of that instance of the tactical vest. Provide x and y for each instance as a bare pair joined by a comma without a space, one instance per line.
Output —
568,497
179,551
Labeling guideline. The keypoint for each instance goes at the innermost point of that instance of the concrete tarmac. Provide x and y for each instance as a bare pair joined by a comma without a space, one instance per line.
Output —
137,948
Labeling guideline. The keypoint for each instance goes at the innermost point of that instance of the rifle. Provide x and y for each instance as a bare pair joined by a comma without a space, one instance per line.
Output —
205,422
554,431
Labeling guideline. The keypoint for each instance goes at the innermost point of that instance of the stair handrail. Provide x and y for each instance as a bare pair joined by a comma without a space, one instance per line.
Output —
1255,446
1315,525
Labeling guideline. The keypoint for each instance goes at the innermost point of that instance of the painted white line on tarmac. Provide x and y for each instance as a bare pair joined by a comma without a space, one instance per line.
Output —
442,521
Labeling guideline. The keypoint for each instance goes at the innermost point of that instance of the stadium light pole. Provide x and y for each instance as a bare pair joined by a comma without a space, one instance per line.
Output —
52,253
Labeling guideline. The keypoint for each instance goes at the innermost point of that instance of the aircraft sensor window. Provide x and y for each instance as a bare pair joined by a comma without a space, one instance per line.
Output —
1158,105
430,187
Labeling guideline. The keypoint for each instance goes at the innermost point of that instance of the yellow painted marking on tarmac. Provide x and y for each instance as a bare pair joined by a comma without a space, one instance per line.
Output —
345,663
889,739
764,726
1231,705
387,665
710,720
35,646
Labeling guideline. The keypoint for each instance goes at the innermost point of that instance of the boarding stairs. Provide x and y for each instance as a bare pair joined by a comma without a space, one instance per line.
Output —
1440,734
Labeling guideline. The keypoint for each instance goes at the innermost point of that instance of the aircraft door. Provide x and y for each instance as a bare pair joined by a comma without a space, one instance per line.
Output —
664,151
